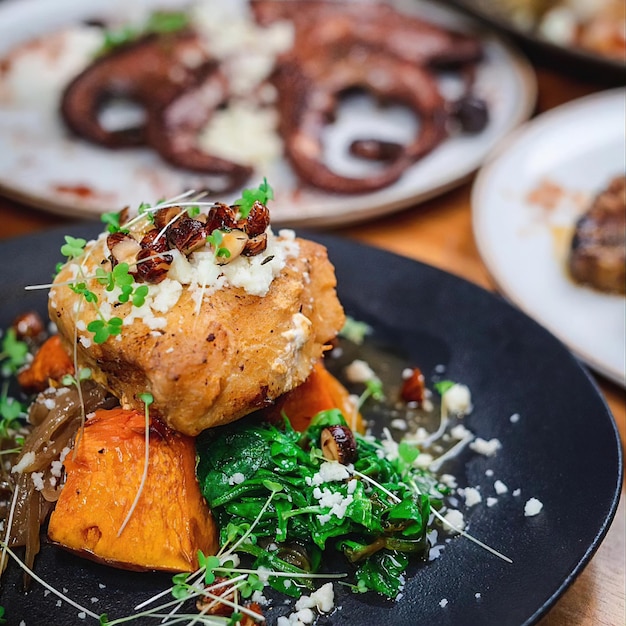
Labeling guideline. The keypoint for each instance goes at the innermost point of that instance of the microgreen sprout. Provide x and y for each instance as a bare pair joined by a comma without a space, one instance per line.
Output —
355,331
443,385
10,412
103,329
83,374
12,352
215,239
147,399
112,221
263,193
159,22
73,246
373,389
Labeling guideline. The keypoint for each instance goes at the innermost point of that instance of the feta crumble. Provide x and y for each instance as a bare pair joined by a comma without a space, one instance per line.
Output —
532,507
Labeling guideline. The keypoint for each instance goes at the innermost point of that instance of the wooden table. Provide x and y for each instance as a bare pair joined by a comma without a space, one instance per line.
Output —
439,232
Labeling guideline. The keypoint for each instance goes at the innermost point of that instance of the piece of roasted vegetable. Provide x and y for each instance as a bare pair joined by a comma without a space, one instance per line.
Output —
321,391
171,520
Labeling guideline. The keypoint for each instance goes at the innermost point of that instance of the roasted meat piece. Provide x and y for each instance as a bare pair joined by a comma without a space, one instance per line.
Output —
207,343
598,251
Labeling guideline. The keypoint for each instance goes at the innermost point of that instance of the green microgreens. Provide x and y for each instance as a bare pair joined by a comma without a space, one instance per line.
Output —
373,389
263,193
443,385
121,278
112,221
103,329
13,352
83,374
145,210
355,331
159,22
215,239
10,412
73,247
193,211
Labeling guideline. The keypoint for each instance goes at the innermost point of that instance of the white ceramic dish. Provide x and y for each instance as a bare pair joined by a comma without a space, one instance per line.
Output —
575,149
44,167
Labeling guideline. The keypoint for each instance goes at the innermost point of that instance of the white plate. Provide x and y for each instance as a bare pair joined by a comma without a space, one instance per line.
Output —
577,147
42,166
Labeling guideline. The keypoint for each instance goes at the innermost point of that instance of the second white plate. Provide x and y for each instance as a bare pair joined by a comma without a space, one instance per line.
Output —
44,167
525,205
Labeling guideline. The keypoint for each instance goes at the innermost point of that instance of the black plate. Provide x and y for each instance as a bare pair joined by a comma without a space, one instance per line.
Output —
574,61
564,450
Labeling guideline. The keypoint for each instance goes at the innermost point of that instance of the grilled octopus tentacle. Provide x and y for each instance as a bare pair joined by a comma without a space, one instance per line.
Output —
173,129
307,106
149,71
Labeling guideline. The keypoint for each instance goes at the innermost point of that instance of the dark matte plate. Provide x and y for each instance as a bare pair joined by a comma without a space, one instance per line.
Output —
564,450
574,61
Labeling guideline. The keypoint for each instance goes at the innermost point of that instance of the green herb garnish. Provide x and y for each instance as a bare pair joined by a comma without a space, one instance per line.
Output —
12,352
383,530
263,193
159,22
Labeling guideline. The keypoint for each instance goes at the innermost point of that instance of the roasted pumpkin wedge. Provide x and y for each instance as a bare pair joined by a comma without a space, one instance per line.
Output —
319,392
51,363
171,520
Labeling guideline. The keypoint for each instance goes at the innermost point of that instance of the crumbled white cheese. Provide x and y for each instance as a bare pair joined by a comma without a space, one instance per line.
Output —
359,372
449,480
517,492
460,432
323,599
472,496
85,342
458,399
236,479
532,507
487,448
443,603
399,424
330,471
25,462
55,468
491,501
49,403
37,480
244,133
514,418
299,333
500,487
334,500
455,520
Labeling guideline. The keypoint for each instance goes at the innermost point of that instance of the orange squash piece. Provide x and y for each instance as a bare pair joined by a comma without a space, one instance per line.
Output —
171,521
319,392
51,363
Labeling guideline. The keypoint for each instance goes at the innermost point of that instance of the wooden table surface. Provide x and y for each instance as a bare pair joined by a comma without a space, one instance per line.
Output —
439,232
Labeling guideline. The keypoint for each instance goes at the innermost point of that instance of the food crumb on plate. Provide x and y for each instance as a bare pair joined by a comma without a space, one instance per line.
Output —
532,507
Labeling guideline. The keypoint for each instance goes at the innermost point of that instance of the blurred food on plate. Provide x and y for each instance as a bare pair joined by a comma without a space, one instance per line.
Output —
223,89
596,26
598,250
